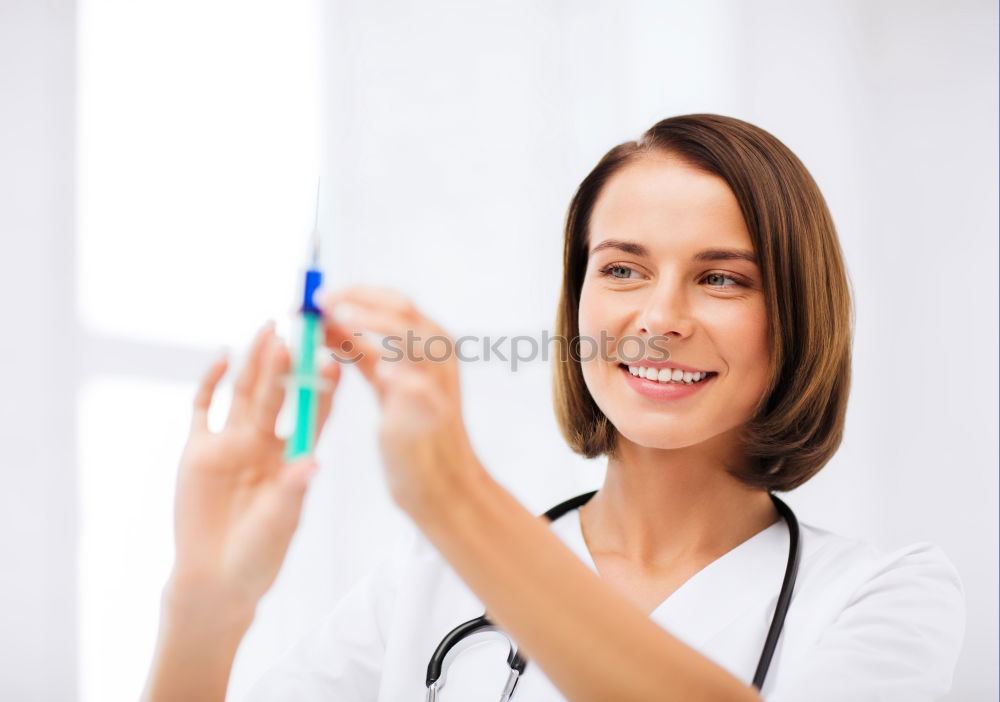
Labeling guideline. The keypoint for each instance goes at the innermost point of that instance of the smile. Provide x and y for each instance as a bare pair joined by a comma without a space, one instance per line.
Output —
669,375
668,388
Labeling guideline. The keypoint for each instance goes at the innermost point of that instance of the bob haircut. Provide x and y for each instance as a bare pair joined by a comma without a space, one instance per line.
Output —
798,423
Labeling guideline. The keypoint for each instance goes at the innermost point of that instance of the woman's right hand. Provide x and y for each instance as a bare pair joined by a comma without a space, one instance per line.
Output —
238,501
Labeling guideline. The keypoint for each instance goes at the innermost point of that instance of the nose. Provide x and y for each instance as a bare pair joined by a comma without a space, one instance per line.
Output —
667,312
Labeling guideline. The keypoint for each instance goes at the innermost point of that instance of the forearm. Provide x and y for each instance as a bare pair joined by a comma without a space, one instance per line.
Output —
198,638
589,639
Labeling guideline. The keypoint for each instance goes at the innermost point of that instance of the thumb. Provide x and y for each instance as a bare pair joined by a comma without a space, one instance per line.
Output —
285,505
262,543
294,480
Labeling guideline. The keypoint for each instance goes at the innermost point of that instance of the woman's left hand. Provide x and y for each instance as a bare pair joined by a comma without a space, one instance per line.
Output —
426,452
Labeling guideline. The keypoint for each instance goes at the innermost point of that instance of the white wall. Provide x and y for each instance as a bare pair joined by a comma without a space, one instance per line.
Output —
198,133
37,352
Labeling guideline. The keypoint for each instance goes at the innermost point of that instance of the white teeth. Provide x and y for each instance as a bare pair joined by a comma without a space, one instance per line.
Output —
667,375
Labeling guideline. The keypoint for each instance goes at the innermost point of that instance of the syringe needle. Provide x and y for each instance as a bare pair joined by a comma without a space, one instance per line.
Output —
315,231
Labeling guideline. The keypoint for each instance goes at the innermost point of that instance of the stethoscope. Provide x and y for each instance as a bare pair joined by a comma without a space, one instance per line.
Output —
448,648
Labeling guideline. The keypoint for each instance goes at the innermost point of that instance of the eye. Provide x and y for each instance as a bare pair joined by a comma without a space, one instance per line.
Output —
615,269
737,282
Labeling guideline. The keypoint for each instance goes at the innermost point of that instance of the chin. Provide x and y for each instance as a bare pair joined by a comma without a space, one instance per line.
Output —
658,433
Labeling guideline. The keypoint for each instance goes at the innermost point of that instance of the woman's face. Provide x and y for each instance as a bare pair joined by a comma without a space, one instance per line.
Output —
651,274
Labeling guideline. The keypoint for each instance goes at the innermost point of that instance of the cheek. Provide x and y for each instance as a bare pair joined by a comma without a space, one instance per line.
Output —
589,312
600,309
591,319
600,326
746,340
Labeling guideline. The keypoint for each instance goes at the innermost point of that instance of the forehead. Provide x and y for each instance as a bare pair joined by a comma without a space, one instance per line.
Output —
661,198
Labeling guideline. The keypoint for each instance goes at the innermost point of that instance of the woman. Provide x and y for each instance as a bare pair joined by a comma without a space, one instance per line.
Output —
708,246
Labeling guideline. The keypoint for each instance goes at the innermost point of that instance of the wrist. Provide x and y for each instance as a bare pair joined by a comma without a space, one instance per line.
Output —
200,631
431,488
208,608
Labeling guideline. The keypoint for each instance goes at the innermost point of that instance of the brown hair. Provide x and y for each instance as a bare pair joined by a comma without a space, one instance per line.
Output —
798,424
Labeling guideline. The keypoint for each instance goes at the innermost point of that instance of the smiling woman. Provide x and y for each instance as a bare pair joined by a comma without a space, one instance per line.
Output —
715,182
684,577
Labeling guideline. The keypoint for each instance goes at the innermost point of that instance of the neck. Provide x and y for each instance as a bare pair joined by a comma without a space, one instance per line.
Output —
662,507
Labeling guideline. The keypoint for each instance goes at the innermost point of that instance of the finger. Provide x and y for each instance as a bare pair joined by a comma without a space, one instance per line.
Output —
206,389
329,376
352,347
356,351
270,391
380,320
246,381
293,481
379,310
405,336
290,487
276,515
404,341
370,295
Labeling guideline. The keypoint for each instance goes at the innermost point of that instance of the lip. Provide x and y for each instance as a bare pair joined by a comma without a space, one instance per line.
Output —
663,391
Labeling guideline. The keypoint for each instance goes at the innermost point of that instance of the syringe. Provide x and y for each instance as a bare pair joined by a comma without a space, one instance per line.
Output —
303,438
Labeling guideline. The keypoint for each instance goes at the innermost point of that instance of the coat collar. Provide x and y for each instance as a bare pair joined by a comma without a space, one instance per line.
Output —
712,598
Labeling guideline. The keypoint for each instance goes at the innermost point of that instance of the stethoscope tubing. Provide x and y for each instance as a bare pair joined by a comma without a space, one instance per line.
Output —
784,596
517,663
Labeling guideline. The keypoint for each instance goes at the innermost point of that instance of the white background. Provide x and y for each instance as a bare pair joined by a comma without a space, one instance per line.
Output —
157,166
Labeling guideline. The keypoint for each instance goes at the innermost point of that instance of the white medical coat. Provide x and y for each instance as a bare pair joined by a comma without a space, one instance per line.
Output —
863,625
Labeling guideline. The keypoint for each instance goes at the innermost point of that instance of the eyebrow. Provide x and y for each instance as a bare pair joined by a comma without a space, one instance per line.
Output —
631,247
